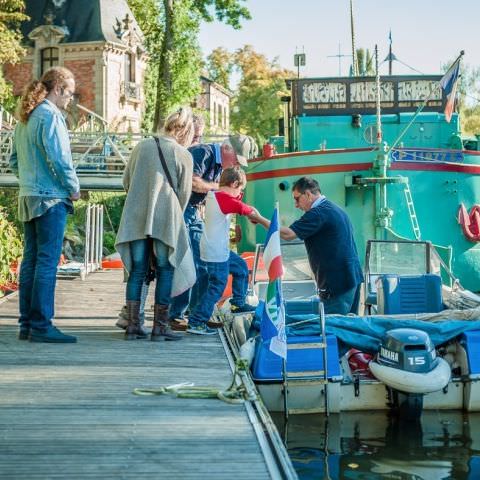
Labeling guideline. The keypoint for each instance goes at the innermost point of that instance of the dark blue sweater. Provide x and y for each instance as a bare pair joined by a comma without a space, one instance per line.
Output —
332,253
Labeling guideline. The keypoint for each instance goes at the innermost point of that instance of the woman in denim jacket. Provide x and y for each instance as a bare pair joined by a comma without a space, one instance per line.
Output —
42,160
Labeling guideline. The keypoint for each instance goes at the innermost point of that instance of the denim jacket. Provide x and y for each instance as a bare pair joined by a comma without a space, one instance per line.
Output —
41,155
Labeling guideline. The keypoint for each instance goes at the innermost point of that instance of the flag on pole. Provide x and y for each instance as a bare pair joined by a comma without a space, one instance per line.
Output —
272,326
449,84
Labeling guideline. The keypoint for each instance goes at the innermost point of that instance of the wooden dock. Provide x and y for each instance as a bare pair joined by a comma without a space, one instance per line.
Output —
68,411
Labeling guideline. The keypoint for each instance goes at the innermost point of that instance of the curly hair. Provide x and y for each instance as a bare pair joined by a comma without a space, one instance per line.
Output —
179,125
37,90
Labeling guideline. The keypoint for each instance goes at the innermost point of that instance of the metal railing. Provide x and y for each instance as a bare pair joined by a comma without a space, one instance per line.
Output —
99,156
93,246
93,237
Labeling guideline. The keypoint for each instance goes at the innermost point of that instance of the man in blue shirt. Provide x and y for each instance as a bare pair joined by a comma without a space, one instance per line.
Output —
42,160
328,235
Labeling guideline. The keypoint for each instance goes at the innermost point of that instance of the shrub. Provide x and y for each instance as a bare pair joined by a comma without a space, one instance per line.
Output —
10,248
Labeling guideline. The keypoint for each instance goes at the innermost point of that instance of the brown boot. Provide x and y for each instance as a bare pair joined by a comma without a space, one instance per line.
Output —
133,331
161,327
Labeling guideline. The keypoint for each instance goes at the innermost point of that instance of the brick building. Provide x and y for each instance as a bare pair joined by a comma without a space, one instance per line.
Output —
215,101
100,42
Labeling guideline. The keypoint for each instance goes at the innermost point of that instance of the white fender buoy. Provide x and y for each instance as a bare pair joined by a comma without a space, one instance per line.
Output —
411,382
247,351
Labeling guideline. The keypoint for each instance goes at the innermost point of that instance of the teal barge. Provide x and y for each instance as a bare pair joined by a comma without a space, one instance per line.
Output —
427,187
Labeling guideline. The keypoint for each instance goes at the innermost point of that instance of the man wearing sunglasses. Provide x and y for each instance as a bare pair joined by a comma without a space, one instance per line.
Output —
328,235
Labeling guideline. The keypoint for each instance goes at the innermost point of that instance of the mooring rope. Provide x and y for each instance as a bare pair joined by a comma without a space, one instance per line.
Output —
234,394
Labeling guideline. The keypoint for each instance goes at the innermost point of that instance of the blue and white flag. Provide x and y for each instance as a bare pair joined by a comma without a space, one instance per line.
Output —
449,84
272,326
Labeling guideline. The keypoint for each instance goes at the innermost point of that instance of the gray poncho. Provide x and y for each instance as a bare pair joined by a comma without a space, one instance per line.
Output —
153,209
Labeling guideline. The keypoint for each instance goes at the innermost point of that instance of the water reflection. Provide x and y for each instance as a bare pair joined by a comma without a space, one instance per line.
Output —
371,446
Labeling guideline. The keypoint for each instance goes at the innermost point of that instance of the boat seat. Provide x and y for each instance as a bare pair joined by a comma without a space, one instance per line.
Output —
403,294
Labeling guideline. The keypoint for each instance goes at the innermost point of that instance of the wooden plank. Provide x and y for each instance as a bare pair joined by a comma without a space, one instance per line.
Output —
68,411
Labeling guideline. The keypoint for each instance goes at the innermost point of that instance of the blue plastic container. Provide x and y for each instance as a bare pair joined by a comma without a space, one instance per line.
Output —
301,358
471,343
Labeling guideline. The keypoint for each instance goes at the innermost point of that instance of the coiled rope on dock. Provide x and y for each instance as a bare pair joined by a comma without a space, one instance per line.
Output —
236,393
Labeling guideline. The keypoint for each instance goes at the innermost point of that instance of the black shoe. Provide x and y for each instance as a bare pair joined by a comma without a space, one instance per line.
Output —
245,308
24,333
51,335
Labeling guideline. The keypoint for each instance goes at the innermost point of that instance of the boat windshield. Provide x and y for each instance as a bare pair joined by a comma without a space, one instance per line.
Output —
294,259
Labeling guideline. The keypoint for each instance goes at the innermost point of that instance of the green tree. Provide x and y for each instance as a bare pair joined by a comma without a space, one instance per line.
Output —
257,106
365,63
220,65
171,29
11,15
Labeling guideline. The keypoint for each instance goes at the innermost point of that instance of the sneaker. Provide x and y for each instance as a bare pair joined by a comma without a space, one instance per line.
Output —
201,330
245,308
179,324
51,335
214,323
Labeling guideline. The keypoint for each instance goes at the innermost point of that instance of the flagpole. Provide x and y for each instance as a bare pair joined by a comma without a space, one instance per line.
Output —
284,360
419,109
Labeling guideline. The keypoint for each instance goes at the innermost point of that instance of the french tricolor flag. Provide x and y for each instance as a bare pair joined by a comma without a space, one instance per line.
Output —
449,84
272,326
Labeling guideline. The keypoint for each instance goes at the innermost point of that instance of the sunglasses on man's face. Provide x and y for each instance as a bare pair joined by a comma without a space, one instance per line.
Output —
296,198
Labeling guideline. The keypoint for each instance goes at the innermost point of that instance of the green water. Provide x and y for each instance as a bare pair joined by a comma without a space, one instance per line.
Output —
372,446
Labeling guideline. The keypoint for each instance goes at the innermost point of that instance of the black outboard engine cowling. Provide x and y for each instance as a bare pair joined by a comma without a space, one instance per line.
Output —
407,349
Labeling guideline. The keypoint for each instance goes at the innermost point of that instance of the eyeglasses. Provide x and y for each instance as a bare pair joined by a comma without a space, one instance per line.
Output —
67,93
296,198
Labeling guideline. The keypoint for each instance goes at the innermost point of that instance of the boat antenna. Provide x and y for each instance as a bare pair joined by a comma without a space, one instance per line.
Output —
378,100
354,53
390,57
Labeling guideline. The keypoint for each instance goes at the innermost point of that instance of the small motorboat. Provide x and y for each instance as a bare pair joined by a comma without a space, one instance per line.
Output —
419,334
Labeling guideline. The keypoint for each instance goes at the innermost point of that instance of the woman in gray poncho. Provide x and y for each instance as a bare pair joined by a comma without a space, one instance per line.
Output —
153,215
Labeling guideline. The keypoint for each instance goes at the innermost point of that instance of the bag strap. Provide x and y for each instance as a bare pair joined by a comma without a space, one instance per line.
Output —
164,164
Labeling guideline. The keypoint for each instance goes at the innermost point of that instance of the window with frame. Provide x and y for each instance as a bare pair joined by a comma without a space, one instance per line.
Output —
48,59
129,67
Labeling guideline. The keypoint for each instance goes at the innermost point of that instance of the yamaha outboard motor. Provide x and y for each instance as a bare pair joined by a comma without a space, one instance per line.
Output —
408,365
408,349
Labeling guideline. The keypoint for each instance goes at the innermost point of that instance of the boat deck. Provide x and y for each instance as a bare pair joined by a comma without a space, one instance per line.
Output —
68,411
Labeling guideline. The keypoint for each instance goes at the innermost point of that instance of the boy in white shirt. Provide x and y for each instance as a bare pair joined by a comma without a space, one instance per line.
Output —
214,244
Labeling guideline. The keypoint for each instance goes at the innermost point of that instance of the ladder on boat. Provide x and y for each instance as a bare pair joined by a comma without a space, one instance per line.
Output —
321,375
411,211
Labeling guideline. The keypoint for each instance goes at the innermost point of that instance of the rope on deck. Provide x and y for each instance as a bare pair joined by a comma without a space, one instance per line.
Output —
236,393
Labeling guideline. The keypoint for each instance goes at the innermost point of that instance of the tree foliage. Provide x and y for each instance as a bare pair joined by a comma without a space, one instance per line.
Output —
171,30
365,63
220,64
257,106
11,15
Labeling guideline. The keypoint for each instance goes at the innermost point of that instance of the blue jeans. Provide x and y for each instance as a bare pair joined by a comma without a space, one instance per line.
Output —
217,280
344,303
42,249
179,304
140,253
237,266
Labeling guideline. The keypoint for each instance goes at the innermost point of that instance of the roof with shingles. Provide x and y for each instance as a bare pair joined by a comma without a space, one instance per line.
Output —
86,20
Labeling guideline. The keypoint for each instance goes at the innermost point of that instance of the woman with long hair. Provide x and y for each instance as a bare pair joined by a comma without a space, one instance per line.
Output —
42,160
158,181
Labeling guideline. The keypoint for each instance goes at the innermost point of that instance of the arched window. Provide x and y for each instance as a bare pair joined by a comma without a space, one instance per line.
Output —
49,58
